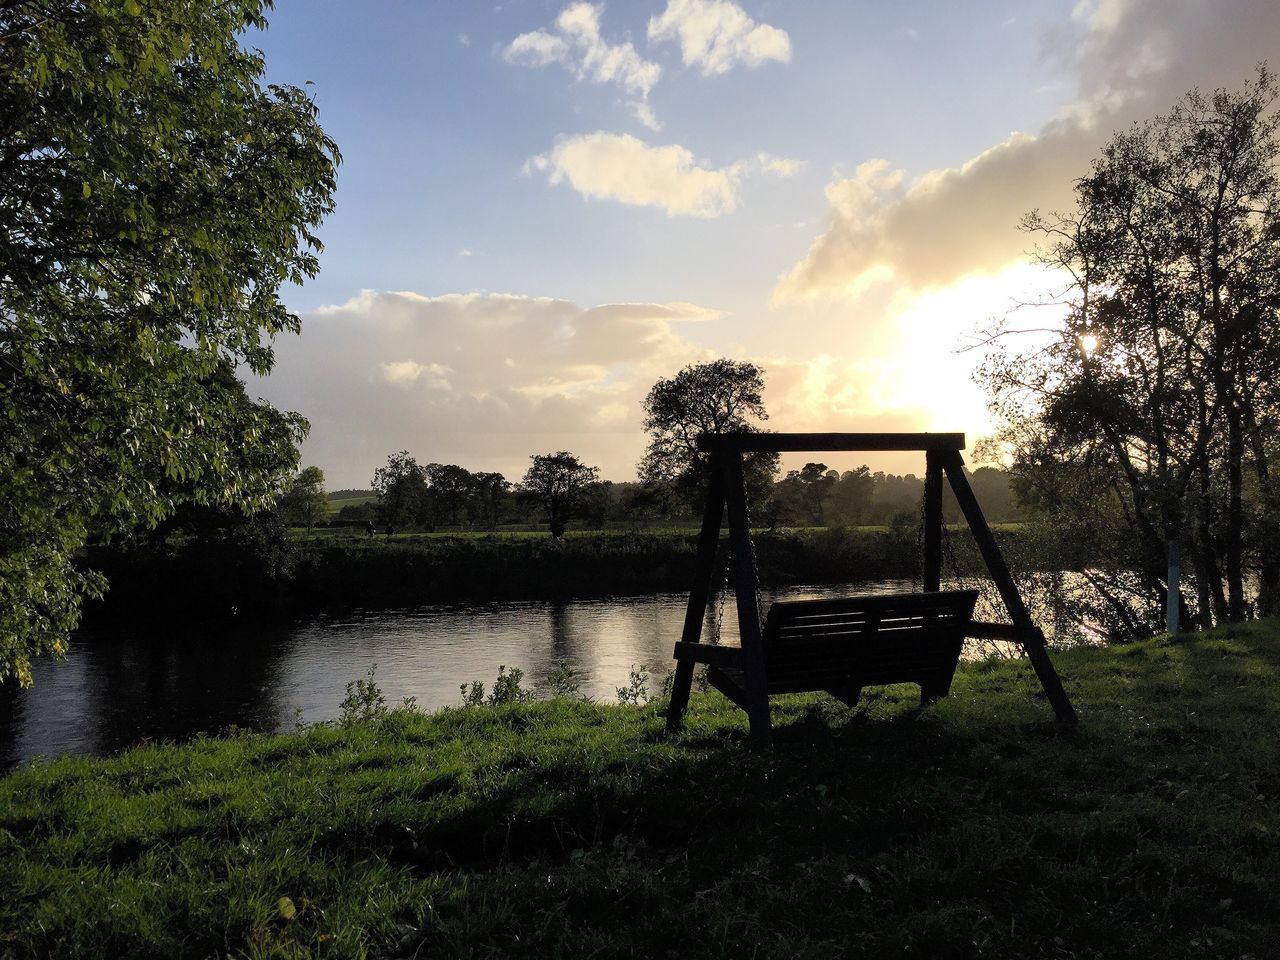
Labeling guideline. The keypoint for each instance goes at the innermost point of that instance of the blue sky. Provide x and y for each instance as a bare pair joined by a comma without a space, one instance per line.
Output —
836,194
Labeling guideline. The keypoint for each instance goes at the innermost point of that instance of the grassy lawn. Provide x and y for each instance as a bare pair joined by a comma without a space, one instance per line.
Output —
971,829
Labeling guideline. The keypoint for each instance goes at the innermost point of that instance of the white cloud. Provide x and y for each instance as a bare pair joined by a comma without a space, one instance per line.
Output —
483,380
623,168
717,35
536,49
1129,59
783,167
579,46
644,113
411,371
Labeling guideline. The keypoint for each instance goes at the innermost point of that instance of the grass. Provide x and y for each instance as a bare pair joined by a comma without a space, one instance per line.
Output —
560,829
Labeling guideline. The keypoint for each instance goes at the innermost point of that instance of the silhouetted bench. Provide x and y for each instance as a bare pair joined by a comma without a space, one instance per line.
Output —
843,645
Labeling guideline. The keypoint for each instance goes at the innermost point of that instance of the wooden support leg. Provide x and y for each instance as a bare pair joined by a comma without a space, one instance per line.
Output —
932,566
1031,638
745,587
708,541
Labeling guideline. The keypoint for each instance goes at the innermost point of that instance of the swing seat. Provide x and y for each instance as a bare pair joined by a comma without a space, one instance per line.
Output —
842,645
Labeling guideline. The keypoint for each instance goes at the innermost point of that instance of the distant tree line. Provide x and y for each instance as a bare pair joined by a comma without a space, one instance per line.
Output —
436,496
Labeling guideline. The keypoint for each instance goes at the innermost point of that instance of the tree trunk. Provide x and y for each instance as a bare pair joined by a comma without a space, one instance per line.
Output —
1234,533
1173,593
1208,552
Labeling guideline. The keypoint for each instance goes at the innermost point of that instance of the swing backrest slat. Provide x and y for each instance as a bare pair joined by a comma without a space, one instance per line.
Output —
869,640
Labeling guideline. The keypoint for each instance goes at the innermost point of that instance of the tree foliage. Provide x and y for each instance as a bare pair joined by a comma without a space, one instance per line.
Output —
722,396
154,196
1135,423
558,482
304,501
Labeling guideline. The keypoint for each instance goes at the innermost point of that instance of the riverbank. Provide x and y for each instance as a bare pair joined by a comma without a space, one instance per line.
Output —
285,580
973,828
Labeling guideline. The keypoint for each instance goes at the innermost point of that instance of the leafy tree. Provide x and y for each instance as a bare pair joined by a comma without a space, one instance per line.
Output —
488,493
450,487
1162,387
722,396
851,498
305,502
401,486
154,195
557,481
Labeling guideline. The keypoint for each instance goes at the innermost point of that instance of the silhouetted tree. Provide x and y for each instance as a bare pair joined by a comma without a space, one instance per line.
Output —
557,482
401,487
488,492
450,486
722,396
304,500
1163,384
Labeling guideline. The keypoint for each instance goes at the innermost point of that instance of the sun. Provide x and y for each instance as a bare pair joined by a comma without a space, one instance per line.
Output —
1088,343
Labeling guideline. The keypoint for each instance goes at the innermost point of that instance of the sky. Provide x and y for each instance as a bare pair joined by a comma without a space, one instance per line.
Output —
544,207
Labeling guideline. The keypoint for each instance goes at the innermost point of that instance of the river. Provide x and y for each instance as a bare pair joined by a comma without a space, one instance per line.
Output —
118,689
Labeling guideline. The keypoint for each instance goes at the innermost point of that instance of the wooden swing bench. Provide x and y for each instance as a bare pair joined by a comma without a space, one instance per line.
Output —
842,645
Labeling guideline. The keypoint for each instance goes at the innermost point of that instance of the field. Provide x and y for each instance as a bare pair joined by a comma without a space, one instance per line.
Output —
976,828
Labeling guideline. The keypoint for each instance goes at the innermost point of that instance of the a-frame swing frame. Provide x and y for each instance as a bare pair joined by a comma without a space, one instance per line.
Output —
727,488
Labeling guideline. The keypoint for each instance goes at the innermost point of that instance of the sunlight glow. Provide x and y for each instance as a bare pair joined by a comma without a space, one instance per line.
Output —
1088,343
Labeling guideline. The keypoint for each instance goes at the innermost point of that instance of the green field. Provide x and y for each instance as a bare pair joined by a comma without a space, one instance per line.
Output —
976,828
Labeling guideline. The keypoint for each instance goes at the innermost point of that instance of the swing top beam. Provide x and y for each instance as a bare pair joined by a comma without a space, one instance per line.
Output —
796,442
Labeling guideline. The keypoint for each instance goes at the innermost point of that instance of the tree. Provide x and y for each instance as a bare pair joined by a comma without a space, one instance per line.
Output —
401,486
154,195
557,481
718,397
450,486
488,491
1161,387
851,498
304,501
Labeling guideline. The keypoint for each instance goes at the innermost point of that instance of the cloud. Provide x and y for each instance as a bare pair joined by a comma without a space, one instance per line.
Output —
783,167
479,379
1129,59
623,168
717,35
576,44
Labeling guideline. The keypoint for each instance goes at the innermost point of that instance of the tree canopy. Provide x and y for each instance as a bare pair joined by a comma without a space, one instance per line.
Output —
154,196
722,396
304,501
1135,423
558,482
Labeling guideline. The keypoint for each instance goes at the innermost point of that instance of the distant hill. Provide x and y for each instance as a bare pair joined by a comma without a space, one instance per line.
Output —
351,495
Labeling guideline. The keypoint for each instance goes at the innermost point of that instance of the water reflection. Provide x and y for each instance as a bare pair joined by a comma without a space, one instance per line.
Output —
119,689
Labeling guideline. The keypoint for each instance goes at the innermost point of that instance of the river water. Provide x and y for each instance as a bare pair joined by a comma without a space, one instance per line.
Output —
119,689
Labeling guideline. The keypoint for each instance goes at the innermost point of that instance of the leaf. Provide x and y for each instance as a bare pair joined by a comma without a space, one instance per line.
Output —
87,190
286,908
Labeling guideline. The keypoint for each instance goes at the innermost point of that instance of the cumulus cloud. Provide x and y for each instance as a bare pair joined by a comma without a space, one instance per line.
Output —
623,168
717,35
576,43
479,379
1130,59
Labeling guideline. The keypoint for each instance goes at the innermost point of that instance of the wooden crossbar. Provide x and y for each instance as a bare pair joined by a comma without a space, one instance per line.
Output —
818,442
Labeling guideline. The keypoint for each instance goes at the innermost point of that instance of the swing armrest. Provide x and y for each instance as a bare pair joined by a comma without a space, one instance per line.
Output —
709,653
